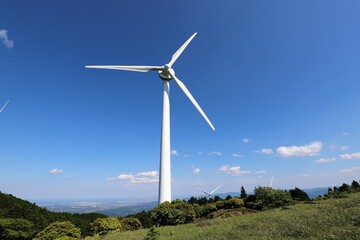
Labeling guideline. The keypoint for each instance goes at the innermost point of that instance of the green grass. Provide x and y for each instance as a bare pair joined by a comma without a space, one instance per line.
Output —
328,219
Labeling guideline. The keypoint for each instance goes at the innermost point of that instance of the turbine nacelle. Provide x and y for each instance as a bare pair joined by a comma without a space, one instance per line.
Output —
165,73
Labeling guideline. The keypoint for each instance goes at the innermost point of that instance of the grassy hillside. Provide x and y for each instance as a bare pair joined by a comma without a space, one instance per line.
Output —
328,219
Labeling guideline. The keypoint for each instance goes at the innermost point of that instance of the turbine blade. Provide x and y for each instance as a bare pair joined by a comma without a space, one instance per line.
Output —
191,98
129,68
203,191
215,189
4,106
180,50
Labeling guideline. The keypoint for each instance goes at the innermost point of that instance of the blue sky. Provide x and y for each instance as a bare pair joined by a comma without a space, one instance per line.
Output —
278,79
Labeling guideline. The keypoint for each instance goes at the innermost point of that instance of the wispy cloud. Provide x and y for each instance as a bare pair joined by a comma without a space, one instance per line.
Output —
200,152
311,149
345,133
174,152
233,171
148,174
350,155
246,140
141,177
215,153
5,39
237,155
267,151
260,172
55,171
195,170
325,160
335,147
350,169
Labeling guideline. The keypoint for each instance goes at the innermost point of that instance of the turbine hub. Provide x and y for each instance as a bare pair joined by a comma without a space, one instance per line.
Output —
164,73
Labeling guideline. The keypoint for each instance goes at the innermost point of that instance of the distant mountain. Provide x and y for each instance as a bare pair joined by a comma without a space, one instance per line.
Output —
315,192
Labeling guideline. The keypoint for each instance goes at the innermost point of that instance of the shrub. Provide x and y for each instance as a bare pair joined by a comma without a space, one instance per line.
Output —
234,203
177,212
130,224
59,230
152,234
103,226
16,228
267,198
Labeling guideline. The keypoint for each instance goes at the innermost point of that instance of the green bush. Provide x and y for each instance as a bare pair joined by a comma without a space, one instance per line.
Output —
59,231
267,198
103,226
16,228
177,212
130,224
234,203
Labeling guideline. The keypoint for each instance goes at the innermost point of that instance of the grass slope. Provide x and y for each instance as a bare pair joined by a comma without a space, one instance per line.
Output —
328,219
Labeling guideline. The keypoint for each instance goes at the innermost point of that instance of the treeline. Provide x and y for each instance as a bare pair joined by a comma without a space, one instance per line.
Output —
21,219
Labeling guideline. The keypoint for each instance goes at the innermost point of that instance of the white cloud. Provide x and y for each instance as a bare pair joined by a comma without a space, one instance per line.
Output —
200,152
345,133
215,153
350,156
125,176
174,152
306,175
246,140
260,172
148,174
6,41
233,171
141,177
307,150
144,180
267,151
237,155
55,171
350,170
334,147
325,160
196,170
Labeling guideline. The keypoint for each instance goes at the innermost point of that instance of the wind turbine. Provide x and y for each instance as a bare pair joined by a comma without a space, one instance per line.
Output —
271,182
209,193
166,73
4,106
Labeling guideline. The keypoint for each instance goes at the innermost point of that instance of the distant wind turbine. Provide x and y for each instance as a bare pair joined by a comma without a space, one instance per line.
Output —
210,193
4,106
271,182
166,73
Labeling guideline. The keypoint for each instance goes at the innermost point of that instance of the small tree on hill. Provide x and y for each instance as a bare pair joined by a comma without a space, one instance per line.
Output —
355,185
243,192
299,195
177,212
344,188
16,228
130,224
59,230
267,198
104,226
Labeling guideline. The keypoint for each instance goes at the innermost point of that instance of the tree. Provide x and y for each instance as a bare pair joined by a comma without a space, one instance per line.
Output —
217,199
344,188
355,185
299,195
243,192
130,224
59,230
16,228
228,197
177,212
267,198
234,203
103,226
193,200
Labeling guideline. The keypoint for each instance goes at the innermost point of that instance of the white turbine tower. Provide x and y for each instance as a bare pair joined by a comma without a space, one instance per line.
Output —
4,106
166,73
210,193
